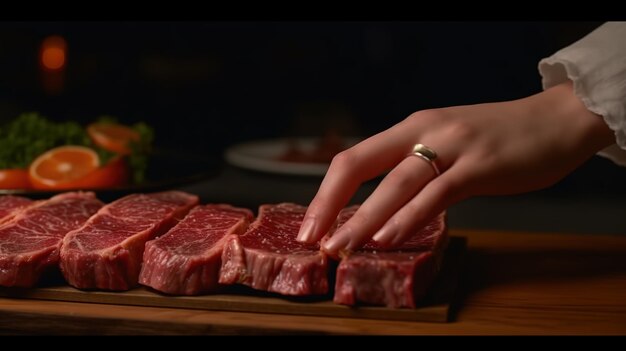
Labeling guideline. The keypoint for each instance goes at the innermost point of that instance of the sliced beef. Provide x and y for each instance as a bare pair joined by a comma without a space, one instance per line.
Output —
106,252
396,278
30,241
187,260
268,257
11,205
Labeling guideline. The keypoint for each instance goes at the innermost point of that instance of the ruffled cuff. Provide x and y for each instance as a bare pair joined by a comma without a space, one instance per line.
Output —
596,65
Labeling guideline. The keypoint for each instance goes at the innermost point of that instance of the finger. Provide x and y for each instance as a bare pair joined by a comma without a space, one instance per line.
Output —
394,191
347,172
437,196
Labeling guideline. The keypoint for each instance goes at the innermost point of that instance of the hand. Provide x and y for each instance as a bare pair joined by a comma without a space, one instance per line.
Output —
487,149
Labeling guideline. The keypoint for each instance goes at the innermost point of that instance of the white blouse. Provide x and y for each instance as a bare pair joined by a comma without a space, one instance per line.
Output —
596,64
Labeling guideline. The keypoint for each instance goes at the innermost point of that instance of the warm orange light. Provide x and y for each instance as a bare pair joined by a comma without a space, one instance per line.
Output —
53,52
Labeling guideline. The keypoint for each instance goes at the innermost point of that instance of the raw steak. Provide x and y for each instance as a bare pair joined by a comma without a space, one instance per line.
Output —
30,242
268,257
187,260
106,252
10,205
397,278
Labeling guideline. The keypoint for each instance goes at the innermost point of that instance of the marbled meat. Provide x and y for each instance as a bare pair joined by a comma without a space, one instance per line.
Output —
268,257
187,260
395,278
31,240
106,252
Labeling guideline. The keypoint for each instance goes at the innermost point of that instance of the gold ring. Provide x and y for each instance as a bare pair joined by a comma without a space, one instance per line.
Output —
427,154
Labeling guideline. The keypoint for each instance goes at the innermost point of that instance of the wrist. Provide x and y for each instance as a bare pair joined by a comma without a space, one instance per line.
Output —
584,127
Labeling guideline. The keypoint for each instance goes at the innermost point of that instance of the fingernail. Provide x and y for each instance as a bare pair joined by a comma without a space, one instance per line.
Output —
333,244
306,230
382,235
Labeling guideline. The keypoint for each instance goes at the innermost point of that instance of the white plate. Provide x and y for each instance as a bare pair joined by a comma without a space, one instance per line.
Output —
262,155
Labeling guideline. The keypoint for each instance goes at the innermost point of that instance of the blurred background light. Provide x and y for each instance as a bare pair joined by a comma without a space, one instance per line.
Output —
53,52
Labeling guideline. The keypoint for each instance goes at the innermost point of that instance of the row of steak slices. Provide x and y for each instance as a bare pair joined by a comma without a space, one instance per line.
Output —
193,249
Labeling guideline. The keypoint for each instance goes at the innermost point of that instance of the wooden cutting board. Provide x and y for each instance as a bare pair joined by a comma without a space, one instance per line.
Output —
435,307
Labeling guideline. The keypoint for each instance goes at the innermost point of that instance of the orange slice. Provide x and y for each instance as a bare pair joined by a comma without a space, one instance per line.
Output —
113,137
114,174
62,167
14,179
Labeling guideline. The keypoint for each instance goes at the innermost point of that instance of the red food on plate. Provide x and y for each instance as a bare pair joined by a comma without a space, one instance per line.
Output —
323,152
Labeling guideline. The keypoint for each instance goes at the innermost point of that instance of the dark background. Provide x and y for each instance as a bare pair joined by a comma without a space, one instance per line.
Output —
207,85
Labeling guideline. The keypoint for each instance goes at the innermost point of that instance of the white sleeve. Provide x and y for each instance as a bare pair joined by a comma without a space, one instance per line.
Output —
596,64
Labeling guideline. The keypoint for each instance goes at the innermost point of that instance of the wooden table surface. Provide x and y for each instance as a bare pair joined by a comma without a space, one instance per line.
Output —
514,283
